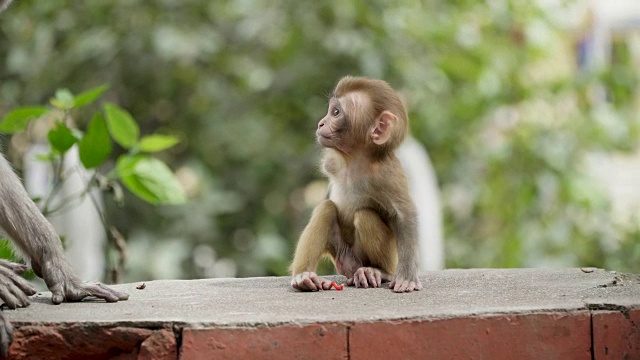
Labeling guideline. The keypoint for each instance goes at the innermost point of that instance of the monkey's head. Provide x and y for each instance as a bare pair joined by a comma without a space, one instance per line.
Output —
363,115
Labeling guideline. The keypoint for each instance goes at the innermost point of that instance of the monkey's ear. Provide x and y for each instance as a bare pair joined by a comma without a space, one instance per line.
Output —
383,127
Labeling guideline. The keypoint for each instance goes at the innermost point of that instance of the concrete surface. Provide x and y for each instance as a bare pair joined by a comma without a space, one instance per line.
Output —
269,301
197,317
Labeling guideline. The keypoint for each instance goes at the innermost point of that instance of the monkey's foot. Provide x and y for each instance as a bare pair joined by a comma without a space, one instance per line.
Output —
309,281
66,286
76,290
400,284
366,277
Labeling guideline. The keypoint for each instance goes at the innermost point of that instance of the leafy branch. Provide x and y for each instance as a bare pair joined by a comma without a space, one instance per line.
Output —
143,175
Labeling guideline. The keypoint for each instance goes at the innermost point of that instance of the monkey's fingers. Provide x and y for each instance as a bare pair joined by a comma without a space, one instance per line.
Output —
369,278
24,286
6,336
98,290
307,281
102,291
360,278
402,285
378,278
366,277
12,279
21,298
14,267
326,285
78,291
12,294
311,281
9,299
373,276
298,283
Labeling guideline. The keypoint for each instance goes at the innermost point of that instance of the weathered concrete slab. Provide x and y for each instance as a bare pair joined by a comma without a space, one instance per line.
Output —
478,313
270,301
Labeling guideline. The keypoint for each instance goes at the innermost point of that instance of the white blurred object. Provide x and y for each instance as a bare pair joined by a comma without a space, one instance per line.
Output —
621,17
619,173
80,225
423,185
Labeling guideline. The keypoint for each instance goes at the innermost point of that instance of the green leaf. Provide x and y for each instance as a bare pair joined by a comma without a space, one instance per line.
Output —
6,251
150,179
95,146
48,157
61,138
155,143
89,96
63,100
122,127
17,119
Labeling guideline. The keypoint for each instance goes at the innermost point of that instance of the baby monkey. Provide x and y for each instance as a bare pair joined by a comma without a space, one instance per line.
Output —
368,222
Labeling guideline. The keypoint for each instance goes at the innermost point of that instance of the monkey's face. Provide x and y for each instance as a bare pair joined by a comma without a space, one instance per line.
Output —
344,127
333,127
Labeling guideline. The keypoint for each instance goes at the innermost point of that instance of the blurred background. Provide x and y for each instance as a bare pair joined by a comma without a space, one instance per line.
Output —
528,111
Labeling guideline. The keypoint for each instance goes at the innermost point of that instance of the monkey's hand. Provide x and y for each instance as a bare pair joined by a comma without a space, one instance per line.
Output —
14,289
405,283
309,281
66,286
366,277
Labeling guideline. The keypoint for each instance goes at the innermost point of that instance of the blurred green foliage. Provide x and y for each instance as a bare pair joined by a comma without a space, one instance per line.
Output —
146,177
491,86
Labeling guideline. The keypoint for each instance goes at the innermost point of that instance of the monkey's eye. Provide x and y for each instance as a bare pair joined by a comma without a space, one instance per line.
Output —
335,112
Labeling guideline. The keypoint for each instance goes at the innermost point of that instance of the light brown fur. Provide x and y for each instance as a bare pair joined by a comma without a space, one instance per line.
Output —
368,223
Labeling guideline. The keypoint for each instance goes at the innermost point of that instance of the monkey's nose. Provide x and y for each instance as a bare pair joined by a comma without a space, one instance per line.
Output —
320,124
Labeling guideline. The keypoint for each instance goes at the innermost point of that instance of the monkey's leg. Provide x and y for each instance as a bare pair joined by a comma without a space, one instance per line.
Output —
376,245
312,245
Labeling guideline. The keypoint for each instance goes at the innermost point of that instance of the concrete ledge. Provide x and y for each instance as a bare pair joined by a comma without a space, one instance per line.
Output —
480,313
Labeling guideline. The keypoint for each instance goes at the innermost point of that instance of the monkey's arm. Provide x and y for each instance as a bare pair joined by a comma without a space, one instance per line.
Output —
311,246
405,225
34,236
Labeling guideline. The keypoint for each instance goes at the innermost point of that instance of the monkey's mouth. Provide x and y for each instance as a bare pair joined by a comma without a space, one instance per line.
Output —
324,140
322,137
